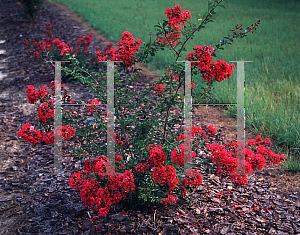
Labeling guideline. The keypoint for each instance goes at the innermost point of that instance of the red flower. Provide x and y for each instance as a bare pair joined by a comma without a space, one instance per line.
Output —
251,142
157,157
210,69
221,70
178,158
176,16
159,88
32,94
170,38
28,133
26,43
128,45
171,198
166,176
94,103
98,193
212,129
85,41
193,178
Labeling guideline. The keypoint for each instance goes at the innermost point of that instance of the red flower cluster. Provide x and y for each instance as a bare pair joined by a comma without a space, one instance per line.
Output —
203,55
227,160
36,47
28,133
157,157
128,45
178,158
159,88
196,131
44,46
193,178
174,77
166,174
35,136
33,95
85,41
119,142
168,40
210,69
211,129
171,198
93,104
103,190
44,113
49,137
176,16
62,47
68,132
222,70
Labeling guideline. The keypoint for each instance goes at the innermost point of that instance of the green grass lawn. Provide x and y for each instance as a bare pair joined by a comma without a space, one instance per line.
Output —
272,95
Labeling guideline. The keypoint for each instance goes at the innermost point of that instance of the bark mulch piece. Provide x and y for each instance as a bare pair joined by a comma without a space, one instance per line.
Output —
32,201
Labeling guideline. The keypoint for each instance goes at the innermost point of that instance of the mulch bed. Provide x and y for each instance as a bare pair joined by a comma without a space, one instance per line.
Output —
35,202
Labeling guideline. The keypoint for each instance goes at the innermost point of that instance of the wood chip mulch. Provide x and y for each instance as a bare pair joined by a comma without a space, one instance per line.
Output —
33,201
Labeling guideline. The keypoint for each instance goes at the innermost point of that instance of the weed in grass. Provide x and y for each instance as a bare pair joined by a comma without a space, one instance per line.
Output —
291,164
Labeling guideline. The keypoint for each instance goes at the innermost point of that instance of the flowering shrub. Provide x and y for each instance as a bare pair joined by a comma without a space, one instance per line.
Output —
128,45
153,168
29,8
